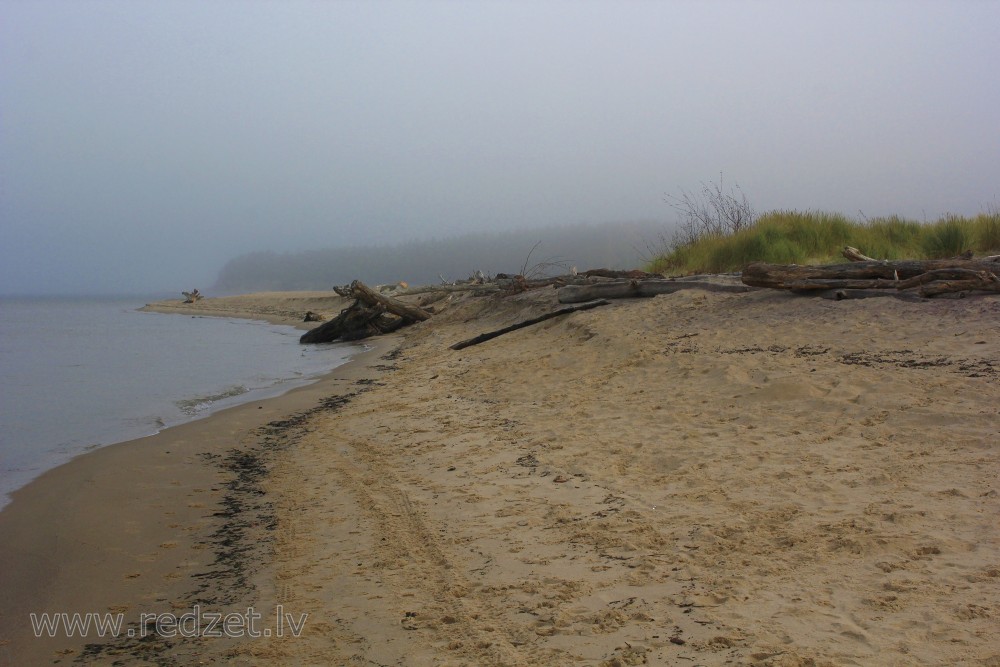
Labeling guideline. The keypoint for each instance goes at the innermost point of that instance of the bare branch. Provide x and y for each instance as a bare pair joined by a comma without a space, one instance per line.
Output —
715,212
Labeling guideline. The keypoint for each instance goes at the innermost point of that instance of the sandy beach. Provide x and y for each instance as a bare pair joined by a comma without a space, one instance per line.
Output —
155,525
692,479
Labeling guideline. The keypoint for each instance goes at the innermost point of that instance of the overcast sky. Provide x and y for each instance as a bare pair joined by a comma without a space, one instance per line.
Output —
142,144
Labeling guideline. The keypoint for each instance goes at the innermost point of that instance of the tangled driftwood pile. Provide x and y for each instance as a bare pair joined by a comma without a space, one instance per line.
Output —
866,277
372,313
379,311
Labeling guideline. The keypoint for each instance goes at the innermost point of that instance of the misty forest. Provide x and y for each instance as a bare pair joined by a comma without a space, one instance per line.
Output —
552,250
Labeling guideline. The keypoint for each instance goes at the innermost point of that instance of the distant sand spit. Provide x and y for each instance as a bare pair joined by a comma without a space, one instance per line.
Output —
274,307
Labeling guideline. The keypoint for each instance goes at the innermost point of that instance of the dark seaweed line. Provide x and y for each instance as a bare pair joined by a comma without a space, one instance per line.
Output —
237,556
898,358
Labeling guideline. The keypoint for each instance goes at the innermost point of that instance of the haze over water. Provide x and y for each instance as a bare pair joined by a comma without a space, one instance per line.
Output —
144,144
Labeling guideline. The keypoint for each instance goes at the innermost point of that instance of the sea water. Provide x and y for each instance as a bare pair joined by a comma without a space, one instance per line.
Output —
79,373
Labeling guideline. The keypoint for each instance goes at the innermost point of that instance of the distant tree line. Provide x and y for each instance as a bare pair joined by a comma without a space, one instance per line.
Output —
616,246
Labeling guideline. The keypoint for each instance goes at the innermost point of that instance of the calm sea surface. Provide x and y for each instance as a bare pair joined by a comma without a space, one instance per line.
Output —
80,373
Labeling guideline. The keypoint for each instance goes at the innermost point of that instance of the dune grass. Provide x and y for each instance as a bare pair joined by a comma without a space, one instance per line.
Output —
793,237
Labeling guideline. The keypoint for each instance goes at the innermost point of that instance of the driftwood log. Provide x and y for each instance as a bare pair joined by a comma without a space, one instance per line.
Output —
371,314
482,338
364,293
932,277
634,274
856,255
512,284
779,276
950,286
625,289
357,321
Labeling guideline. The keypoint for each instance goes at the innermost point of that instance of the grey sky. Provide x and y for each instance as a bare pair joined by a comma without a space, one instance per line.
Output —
142,144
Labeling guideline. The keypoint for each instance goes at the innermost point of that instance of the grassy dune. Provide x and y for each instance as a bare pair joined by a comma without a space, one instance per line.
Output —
792,237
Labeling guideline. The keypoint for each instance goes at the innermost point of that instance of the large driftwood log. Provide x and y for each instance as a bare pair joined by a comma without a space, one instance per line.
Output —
367,316
482,338
634,274
638,288
413,313
933,277
357,321
948,286
945,274
793,276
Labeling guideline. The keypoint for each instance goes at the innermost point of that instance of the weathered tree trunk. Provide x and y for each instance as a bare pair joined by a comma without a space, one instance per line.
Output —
633,274
482,338
357,321
365,317
948,286
944,274
638,288
794,276
394,306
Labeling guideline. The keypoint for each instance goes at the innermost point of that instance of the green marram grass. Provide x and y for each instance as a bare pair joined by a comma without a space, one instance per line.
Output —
794,237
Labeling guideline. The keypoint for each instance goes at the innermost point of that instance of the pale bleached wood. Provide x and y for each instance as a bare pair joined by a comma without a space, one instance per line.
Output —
414,313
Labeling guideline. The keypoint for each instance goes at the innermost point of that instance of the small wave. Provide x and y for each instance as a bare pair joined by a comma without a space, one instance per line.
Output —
192,406
154,421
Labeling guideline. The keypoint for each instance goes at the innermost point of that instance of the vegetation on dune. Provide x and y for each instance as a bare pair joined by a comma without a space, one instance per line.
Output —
794,237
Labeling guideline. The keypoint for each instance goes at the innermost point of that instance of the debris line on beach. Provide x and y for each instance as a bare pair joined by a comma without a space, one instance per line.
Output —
866,277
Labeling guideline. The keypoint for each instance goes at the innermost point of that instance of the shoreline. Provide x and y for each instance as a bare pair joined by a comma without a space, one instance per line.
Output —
139,527
755,478
286,310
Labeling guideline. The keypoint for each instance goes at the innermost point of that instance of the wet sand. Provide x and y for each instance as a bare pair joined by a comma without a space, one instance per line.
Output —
697,478
154,525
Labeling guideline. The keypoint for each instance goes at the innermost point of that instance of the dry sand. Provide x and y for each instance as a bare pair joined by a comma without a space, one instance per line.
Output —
693,479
